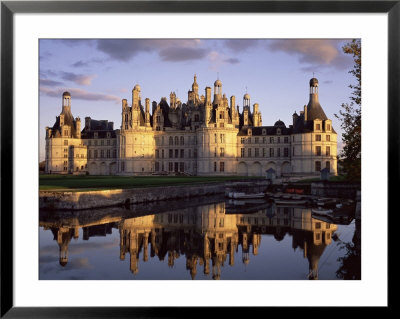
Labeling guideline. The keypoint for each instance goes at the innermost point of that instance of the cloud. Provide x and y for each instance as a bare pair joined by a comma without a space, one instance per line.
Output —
82,63
79,94
232,60
314,52
77,78
177,54
47,82
125,49
239,45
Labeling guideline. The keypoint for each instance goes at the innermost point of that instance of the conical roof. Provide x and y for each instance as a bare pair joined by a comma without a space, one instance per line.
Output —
314,109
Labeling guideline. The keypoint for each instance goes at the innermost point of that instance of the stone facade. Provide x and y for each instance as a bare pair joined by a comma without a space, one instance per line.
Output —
203,136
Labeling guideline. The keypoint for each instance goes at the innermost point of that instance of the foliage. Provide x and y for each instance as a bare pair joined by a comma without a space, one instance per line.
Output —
350,116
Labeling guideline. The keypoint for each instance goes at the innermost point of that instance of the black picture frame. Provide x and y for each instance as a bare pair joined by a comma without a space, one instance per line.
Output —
9,8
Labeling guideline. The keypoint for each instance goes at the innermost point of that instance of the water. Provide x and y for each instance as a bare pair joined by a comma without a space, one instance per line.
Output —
200,239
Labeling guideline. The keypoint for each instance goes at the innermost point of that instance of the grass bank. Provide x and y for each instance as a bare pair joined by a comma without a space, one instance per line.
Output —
85,183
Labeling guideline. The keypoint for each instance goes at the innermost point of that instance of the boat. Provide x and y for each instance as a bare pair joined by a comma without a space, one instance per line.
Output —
321,211
290,201
239,195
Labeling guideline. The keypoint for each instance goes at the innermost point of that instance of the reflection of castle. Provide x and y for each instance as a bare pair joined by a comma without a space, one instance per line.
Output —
206,236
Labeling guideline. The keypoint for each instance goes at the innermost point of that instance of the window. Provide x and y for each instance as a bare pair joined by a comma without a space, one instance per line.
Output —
318,127
65,142
108,142
242,152
221,152
157,153
171,141
264,152
279,139
176,153
271,139
196,118
158,128
114,153
249,152
90,154
122,166
215,152
222,138
318,138
328,138
328,165
170,166
101,153
221,166
181,166
158,119
256,152
195,153
279,152
162,153
108,154
157,166
318,150
286,139
176,140
286,152
215,166
328,151
95,142
89,142
264,132
256,140
318,225
171,153
215,138
328,127
182,153
317,166
271,152
242,140
221,115
182,140
95,153
102,142
190,153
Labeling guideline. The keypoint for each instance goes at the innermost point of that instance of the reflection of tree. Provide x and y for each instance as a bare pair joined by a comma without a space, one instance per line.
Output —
350,267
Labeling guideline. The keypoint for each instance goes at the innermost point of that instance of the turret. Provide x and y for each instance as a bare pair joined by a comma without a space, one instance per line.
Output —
66,102
314,109
217,92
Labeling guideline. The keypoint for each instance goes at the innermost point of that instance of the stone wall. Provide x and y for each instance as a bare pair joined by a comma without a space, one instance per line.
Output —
105,198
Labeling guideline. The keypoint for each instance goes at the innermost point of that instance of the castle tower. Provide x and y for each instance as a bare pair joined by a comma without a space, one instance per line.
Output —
195,86
208,106
314,109
66,102
217,92
147,110
125,115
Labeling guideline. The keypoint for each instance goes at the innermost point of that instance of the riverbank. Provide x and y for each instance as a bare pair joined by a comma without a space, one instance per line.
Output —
68,200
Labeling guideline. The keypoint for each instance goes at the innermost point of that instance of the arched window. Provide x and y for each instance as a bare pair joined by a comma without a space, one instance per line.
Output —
176,140
171,141
182,140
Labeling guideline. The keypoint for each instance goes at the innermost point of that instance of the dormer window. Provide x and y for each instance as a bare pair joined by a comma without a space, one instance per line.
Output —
249,131
96,135
278,131
318,127
264,131
328,127
108,134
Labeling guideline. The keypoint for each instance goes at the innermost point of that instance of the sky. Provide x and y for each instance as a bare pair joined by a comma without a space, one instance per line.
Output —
99,73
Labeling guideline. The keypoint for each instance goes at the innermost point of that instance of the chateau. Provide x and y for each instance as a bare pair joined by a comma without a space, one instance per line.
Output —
204,136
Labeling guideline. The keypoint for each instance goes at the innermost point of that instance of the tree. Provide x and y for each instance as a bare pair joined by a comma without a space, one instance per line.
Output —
350,116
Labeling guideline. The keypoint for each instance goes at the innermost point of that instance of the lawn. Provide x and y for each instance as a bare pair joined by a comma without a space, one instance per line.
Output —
84,183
